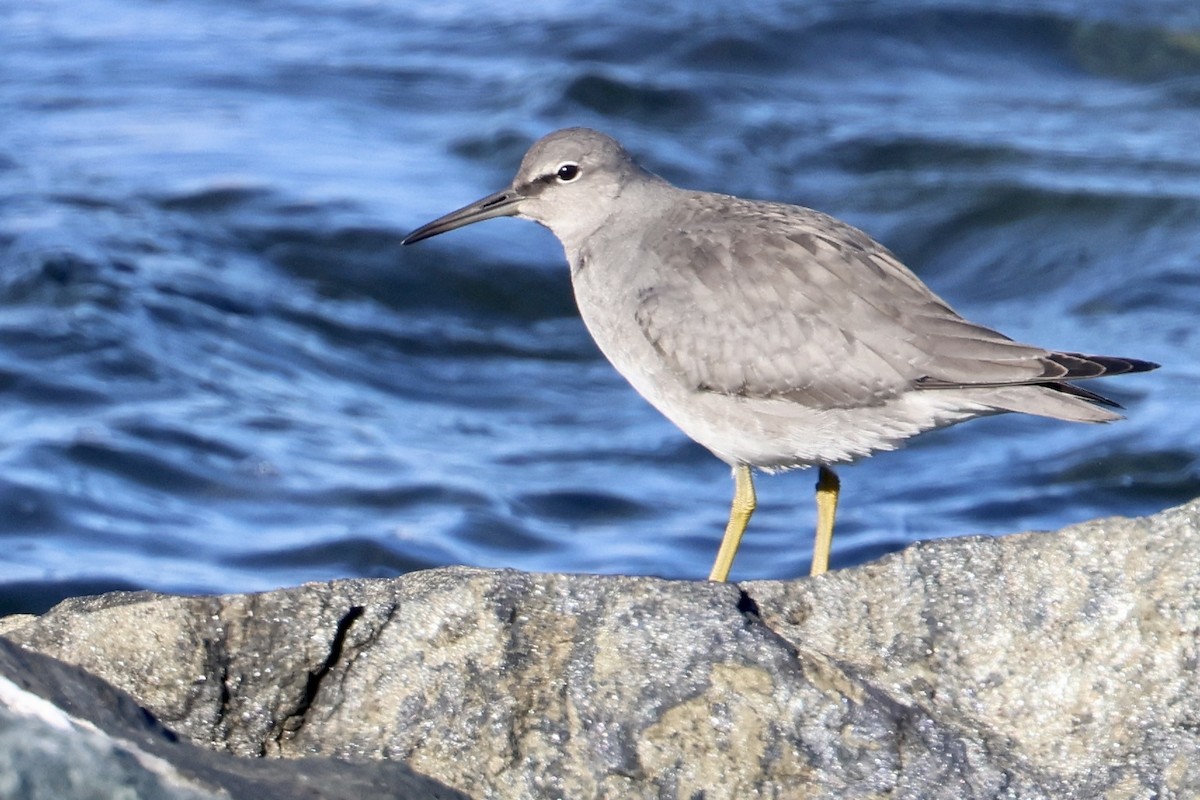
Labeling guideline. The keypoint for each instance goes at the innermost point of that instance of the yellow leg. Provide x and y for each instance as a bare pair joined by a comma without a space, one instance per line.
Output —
828,486
739,516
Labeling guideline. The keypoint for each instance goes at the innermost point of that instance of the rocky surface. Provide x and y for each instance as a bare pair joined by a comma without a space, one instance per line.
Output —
68,735
1036,665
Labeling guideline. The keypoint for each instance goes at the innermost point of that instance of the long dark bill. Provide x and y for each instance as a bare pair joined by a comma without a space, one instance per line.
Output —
501,204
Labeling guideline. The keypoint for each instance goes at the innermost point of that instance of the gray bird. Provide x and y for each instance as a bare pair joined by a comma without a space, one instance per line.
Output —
776,336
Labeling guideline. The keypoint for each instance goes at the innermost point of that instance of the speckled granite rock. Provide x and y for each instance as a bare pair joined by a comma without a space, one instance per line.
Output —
1038,665
68,735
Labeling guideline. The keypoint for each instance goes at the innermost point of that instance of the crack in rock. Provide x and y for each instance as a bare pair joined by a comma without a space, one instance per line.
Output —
294,720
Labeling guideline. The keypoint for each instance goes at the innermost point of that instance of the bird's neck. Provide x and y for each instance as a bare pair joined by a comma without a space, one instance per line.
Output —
635,201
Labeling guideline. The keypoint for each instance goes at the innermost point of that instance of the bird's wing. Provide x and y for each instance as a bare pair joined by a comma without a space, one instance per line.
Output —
766,300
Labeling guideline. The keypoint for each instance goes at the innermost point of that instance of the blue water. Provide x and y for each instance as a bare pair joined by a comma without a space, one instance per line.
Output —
219,371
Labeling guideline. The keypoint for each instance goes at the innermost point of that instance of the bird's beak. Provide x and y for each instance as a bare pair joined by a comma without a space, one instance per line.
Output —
501,204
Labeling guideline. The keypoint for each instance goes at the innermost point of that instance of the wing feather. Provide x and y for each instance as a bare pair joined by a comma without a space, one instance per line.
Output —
771,301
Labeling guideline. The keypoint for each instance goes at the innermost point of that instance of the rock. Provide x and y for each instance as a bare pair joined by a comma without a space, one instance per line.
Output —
46,753
68,735
1036,665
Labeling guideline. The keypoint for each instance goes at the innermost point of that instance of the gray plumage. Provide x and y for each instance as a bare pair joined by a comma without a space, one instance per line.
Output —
774,335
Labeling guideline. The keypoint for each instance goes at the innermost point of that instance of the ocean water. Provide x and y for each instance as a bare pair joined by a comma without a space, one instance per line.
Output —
219,371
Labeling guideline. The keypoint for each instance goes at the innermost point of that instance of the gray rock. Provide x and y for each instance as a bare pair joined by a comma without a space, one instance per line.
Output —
68,735
1037,665
46,754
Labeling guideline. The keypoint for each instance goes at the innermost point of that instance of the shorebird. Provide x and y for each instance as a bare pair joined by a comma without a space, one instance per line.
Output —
774,335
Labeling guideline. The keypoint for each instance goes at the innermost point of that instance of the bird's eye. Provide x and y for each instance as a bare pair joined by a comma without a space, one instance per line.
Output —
568,172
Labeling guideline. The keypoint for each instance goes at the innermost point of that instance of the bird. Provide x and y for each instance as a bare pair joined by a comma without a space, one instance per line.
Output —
776,336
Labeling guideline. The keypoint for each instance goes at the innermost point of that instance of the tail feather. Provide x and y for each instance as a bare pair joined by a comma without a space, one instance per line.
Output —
1056,368
1078,391
1077,366
1048,400
1051,395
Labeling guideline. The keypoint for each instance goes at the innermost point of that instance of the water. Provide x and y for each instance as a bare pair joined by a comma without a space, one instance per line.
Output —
220,372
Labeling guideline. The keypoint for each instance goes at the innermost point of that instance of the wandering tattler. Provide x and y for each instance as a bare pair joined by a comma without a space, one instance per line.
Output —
774,335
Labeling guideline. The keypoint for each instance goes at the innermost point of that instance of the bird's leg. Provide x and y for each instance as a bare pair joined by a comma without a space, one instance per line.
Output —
739,516
828,486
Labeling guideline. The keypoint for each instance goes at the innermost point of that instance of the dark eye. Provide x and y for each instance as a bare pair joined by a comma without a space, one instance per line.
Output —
568,172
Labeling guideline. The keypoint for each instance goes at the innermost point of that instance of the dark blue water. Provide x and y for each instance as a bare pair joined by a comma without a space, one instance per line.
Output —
219,371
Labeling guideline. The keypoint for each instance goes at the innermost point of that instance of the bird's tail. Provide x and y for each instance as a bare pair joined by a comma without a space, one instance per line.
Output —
1062,400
